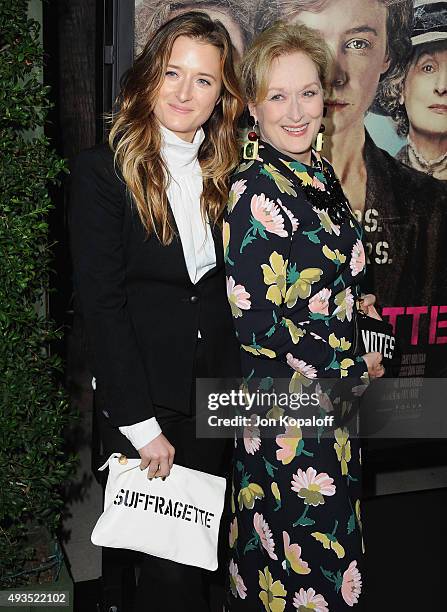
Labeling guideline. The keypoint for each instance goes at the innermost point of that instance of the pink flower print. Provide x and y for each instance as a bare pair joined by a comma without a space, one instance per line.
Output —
252,439
238,297
307,370
234,532
236,583
265,535
358,258
324,401
349,303
293,559
237,189
309,600
317,184
319,303
316,336
268,214
352,584
288,443
312,486
293,220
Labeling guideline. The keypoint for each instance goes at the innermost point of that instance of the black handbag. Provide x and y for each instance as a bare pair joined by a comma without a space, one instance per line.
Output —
371,335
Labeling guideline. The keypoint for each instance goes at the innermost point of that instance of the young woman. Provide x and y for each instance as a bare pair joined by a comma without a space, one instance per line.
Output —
294,258
148,264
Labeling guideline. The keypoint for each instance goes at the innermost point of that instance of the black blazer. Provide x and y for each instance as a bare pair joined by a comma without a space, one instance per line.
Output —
140,308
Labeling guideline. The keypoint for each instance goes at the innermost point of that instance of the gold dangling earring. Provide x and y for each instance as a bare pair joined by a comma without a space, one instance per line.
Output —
319,141
251,147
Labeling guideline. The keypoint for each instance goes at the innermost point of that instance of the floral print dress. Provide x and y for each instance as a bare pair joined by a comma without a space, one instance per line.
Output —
292,274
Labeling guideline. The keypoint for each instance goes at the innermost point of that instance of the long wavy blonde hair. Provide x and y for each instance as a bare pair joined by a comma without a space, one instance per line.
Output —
135,135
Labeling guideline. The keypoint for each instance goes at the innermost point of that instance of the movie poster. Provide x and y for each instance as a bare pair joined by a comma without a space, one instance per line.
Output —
386,136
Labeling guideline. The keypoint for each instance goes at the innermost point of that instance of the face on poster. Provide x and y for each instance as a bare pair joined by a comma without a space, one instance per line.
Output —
234,15
424,94
356,35
421,113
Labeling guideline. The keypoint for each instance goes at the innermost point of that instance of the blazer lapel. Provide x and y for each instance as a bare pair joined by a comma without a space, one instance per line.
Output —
216,233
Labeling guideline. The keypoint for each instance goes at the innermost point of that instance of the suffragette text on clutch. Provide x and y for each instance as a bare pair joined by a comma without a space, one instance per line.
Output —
160,505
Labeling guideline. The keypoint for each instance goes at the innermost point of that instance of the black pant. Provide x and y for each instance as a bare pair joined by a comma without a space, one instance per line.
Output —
165,585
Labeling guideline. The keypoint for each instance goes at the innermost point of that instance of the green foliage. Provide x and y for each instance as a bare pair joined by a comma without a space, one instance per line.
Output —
33,408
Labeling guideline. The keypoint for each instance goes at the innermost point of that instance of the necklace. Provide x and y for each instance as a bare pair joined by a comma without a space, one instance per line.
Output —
322,189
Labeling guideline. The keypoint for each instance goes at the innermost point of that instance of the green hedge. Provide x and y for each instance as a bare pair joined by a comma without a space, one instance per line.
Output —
33,408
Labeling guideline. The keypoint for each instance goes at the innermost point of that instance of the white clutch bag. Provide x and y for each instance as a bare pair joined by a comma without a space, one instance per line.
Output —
176,519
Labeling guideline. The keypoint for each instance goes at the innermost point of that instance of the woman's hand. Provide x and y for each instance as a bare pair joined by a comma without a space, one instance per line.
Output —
159,456
366,305
374,363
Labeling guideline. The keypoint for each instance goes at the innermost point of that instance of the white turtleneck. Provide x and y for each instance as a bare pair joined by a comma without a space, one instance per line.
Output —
184,192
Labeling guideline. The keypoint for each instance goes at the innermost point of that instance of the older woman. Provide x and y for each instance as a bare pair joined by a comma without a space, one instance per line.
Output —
294,258
417,97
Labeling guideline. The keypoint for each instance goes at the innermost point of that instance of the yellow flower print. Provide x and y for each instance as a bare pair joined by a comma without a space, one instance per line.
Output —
244,166
343,448
341,344
344,366
226,241
275,276
358,514
281,181
275,412
234,532
295,332
335,256
271,592
249,494
258,350
345,305
276,494
330,542
300,283
304,176
326,222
